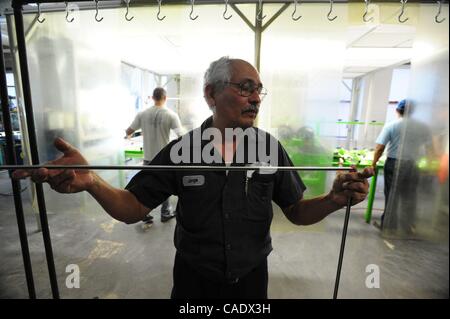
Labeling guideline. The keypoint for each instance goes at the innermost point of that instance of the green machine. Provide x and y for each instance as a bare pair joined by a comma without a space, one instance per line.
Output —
361,159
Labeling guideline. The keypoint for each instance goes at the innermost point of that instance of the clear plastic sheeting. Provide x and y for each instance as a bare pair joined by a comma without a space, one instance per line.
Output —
418,203
301,65
199,44
88,79
77,95
87,86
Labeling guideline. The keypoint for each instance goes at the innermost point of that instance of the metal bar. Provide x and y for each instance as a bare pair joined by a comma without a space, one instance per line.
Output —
21,46
20,107
206,2
58,5
242,15
258,36
276,15
11,159
341,252
12,46
177,167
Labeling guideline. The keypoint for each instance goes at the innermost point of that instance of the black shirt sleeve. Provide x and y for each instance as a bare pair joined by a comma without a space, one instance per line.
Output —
151,188
289,187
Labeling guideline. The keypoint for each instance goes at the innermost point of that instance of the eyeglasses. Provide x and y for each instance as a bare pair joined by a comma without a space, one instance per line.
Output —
247,88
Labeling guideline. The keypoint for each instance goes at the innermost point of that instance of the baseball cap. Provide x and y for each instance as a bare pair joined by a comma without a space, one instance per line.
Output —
401,105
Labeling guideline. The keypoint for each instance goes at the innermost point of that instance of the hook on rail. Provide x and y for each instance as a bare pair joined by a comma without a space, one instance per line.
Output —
329,12
367,12
436,18
403,2
192,11
127,2
159,11
295,10
96,12
39,19
67,13
259,15
225,12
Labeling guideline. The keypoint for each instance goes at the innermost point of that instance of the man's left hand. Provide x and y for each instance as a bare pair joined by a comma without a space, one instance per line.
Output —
353,184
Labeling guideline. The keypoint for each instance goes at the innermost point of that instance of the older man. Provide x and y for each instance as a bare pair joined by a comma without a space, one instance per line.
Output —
222,234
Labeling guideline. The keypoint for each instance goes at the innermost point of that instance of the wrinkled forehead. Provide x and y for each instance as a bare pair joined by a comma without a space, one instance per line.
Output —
242,70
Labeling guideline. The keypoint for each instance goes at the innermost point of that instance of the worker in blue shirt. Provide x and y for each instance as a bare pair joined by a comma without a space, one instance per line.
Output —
404,139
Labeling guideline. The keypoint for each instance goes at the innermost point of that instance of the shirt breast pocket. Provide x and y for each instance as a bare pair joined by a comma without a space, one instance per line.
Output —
194,186
194,202
259,197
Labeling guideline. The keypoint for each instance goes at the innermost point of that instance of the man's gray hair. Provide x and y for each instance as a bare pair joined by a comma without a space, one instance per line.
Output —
218,73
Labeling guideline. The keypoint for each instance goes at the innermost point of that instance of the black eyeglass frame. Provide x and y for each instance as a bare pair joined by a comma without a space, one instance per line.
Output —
262,91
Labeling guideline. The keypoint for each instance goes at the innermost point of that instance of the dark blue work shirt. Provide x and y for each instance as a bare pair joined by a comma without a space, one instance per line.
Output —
223,218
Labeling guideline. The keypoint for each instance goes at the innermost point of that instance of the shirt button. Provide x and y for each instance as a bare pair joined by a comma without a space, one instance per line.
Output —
231,278
226,215
228,246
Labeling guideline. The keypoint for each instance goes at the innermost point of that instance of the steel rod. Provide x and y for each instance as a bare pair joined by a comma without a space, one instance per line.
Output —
206,2
183,2
11,159
21,48
58,5
341,252
176,167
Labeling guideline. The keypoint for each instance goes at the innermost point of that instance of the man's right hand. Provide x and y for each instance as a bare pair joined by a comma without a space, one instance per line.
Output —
374,166
62,180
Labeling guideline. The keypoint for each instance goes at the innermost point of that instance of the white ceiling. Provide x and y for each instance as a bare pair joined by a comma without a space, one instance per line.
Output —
378,46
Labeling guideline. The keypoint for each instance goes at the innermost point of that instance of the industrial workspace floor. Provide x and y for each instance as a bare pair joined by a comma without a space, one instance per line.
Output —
124,261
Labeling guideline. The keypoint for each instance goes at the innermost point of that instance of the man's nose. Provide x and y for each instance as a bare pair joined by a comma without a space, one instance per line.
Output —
254,98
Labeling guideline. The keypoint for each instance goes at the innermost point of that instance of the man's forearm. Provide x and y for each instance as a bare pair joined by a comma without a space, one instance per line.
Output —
376,157
120,204
310,211
377,154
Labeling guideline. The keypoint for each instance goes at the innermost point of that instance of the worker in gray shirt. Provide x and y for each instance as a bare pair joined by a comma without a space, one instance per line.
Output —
156,123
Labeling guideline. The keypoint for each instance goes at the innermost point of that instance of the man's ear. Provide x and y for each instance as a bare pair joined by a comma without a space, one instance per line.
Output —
209,95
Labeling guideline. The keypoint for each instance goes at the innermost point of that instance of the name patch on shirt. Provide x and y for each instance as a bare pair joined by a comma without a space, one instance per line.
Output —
194,180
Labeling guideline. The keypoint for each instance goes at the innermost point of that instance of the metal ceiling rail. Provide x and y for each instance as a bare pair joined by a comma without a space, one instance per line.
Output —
59,5
168,2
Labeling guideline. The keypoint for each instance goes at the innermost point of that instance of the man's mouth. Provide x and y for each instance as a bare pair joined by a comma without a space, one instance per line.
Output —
251,110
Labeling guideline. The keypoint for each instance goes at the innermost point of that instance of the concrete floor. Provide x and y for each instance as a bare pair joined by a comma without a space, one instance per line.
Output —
124,261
